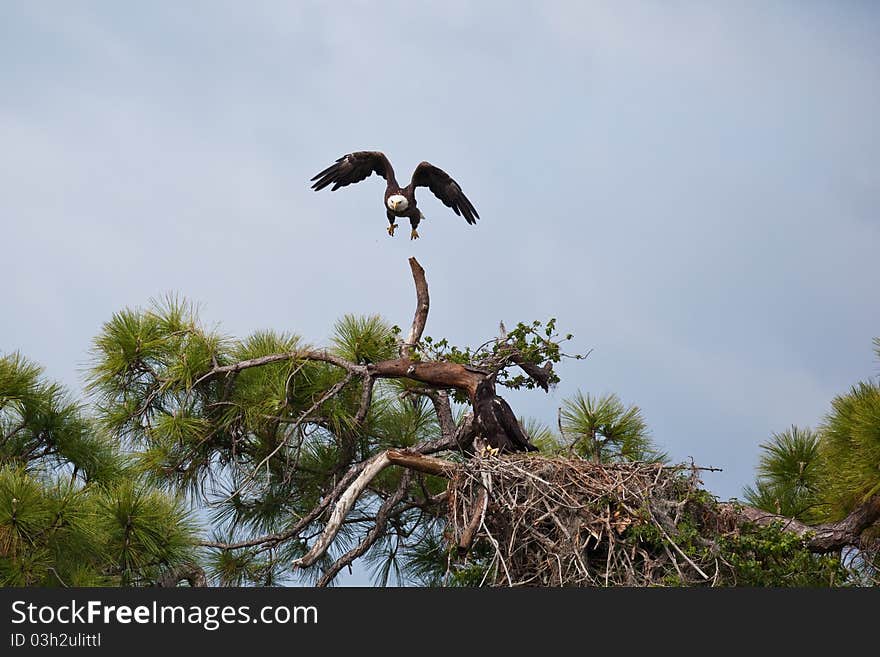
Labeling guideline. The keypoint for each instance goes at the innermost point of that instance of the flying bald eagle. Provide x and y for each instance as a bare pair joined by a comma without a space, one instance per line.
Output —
399,201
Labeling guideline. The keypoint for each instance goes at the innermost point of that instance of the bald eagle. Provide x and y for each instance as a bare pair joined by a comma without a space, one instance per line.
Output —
399,201
495,423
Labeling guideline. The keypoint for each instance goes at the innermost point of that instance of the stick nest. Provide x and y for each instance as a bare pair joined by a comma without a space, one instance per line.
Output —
539,521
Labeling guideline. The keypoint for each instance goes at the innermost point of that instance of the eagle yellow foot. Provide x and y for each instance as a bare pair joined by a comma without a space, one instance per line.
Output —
490,451
414,235
391,229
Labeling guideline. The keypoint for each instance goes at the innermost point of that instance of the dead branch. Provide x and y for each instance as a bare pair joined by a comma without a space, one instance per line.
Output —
436,374
426,464
271,540
318,355
443,409
373,535
346,501
469,533
422,305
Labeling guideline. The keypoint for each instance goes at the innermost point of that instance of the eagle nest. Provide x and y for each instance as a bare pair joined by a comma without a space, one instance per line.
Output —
538,521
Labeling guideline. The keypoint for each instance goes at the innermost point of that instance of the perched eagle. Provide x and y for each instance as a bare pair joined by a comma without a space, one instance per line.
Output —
399,201
495,423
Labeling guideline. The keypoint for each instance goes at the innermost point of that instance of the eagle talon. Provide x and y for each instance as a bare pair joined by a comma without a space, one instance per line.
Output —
414,235
391,229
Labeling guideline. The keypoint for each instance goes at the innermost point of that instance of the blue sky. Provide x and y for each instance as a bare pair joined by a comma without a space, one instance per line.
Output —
691,188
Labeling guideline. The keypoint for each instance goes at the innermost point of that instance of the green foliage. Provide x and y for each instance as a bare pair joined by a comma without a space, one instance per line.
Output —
540,435
184,409
605,430
789,476
535,343
405,422
752,555
73,510
364,339
769,556
39,425
850,449
142,530
824,475
54,533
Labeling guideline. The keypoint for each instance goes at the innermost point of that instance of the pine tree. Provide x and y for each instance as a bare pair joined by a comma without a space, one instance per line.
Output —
73,510
830,474
301,459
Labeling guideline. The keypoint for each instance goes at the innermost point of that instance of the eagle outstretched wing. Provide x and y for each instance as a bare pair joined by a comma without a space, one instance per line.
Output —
444,188
353,168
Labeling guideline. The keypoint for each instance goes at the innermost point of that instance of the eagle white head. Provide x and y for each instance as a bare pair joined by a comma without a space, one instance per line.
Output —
397,203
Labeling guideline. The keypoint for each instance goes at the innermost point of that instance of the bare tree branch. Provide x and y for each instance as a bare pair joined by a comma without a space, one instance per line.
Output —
411,460
346,501
274,539
461,440
422,305
366,400
426,464
470,532
443,409
437,374
319,355
373,535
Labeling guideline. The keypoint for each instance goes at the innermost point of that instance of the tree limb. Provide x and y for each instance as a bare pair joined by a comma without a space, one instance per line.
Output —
422,305
824,538
426,464
411,460
373,535
346,501
190,573
540,375
467,536
443,409
320,355
302,523
438,374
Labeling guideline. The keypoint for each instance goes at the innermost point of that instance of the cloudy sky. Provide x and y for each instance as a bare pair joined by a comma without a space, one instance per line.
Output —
691,188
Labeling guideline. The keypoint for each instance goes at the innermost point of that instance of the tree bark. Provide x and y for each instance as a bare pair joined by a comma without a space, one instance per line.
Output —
426,464
436,374
423,303
821,539
343,506
190,573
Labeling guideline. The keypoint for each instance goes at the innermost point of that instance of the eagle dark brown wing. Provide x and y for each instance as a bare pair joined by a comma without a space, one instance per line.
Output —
496,423
444,188
353,168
